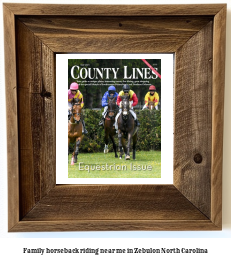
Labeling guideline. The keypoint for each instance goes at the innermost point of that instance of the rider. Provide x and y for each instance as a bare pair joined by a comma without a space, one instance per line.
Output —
73,92
111,93
133,101
153,96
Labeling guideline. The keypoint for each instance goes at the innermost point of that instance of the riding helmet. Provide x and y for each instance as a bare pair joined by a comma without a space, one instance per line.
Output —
152,88
74,86
111,88
126,87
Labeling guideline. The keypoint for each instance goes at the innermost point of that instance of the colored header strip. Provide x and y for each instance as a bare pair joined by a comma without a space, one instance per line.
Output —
151,68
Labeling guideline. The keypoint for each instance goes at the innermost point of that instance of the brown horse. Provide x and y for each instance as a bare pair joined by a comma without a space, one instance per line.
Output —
151,105
127,128
109,129
75,128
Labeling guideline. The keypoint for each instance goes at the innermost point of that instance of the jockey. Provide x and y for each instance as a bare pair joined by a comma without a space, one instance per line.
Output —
73,92
153,96
111,93
133,101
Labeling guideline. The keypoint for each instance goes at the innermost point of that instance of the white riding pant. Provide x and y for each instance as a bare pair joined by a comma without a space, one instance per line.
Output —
105,111
69,108
117,116
145,107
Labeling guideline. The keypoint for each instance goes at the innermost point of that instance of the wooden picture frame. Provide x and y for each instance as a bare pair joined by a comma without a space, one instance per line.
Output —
33,34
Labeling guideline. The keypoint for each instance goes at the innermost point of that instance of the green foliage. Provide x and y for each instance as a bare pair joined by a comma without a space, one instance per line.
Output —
149,133
94,140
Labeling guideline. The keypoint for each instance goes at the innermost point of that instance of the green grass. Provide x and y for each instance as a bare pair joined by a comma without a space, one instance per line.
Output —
100,165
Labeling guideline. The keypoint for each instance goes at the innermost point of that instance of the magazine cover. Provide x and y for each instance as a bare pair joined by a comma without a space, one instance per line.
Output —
114,117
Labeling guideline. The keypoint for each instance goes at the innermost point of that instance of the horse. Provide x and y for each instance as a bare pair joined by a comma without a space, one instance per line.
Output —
151,105
127,128
109,130
75,128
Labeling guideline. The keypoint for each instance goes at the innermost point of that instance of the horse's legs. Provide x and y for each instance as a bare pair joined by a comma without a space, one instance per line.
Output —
128,146
76,152
106,140
73,153
68,148
114,145
134,146
124,145
120,143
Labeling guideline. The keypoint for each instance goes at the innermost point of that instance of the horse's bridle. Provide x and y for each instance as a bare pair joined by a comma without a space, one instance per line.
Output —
151,104
125,112
113,111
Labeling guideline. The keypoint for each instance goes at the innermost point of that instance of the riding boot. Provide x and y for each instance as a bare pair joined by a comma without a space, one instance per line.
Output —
101,123
84,128
115,126
69,115
137,123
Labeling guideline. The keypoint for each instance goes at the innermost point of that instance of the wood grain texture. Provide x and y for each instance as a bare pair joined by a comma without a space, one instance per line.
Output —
115,34
218,114
193,126
114,10
35,66
114,225
11,117
113,202
114,207
195,33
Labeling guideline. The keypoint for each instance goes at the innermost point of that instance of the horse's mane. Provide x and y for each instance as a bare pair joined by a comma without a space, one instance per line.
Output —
112,98
125,97
76,101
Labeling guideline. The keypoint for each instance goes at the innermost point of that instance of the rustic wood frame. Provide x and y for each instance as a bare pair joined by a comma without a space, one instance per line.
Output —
33,34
